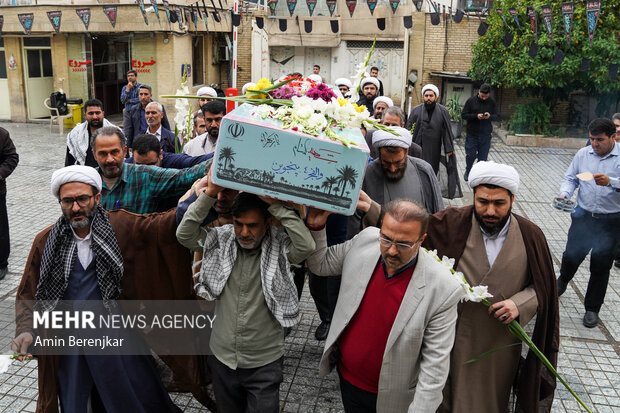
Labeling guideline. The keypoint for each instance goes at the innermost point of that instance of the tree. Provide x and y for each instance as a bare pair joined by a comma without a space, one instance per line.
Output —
347,175
512,67
228,154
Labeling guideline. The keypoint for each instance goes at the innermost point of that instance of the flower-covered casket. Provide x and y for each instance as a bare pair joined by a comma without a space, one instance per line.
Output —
292,154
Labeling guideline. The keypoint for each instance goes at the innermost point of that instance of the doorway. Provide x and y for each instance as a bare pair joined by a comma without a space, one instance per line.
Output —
5,105
38,75
111,61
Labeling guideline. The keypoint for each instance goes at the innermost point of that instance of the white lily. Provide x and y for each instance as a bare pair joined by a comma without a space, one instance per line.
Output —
5,362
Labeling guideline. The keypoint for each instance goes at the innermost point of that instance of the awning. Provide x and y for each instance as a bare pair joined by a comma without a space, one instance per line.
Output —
452,75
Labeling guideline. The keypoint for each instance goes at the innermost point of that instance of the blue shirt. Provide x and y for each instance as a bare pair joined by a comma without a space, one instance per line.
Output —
593,197
131,99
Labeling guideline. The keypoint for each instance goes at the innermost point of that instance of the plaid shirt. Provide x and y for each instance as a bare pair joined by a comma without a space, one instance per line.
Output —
140,187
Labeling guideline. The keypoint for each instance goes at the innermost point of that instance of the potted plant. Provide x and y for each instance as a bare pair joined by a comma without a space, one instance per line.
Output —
455,108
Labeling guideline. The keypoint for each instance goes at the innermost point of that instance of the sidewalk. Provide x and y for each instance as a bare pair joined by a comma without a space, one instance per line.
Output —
589,359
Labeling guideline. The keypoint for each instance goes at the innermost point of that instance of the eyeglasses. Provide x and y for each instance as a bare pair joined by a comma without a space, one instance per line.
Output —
82,200
400,246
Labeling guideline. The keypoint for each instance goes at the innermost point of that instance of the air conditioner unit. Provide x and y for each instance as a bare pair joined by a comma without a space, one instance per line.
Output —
223,53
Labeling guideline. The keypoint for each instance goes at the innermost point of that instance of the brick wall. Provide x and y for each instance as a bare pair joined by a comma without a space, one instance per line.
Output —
244,54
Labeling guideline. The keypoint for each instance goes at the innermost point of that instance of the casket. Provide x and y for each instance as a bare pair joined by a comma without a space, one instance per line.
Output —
256,155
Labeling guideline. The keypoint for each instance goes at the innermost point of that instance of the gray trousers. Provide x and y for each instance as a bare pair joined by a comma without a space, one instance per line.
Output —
255,390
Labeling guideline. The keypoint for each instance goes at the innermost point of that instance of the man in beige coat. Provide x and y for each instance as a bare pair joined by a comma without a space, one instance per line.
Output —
393,326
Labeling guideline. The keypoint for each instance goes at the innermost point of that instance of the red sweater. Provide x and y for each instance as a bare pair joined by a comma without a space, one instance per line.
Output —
362,343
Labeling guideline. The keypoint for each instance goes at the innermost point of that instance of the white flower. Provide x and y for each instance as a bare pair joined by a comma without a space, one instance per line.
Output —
480,292
448,262
5,362
317,120
304,112
319,105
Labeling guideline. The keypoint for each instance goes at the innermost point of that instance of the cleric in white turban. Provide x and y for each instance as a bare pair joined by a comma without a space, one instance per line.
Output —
207,91
369,79
380,104
344,85
491,173
432,88
400,139
75,173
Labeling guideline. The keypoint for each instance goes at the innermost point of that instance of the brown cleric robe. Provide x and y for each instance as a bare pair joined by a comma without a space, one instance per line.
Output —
156,267
449,232
485,385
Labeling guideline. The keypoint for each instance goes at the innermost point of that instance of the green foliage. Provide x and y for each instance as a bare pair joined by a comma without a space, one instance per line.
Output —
512,67
454,107
532,118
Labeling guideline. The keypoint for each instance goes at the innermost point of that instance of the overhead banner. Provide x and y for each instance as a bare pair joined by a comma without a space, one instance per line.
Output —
513,13
54,17
272,6
154,4
351,6
501,14
593,9
394,4
533,21
418,4
84,15
110,11
547,14
371,6
331,6
167,8
141,4
311,5
290,5
568,11
26,20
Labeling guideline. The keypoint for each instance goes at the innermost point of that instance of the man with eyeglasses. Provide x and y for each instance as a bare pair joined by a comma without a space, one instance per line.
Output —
509,254
204,144
595,223
393,327
395,175
89,254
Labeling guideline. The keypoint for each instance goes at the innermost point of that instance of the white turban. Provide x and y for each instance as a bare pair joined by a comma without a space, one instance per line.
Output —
383,99
504,176
245,87
207,91
75,173
432,87
381,138
343,81
316,78
370,79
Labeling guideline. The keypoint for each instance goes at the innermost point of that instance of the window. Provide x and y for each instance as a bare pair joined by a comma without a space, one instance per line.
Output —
198,60
37,42
38,55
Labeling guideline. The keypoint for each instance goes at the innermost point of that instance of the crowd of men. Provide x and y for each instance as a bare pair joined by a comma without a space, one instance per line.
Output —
393,327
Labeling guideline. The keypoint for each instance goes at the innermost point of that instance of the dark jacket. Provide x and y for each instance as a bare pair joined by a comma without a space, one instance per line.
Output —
178,160
133,128
168,141
474,106
8,158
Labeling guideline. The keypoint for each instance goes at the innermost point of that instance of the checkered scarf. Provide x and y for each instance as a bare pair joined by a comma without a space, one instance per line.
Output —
59,257
77,141
220,254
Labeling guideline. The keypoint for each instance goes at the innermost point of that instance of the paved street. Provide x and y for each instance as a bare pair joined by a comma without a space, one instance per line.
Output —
589,359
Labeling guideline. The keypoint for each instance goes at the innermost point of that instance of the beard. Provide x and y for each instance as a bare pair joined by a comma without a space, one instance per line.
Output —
95,123
495,228
87,216
430,106
395,176
214,132
112,170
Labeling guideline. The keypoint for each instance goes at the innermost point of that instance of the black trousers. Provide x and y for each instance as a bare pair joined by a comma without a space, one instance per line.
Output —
254,390
599,236
319,292
5,242
356,400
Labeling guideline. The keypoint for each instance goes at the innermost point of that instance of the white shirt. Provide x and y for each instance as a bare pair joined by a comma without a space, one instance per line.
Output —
494,243
200,145
157,132
84,250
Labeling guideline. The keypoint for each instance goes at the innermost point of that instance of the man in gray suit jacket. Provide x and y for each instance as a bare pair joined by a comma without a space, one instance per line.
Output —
393,327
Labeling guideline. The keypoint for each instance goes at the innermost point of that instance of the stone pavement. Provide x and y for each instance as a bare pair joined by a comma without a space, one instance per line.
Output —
589,359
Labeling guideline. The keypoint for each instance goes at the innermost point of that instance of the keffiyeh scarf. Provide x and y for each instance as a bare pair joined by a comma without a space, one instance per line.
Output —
220,254
59,257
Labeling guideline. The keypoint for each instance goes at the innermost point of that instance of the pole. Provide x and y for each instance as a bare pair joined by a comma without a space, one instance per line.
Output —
234,47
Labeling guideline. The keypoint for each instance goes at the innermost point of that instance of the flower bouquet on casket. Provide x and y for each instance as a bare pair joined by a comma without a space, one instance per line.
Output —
295,141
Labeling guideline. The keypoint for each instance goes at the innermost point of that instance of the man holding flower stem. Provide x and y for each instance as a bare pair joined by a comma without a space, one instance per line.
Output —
509,254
